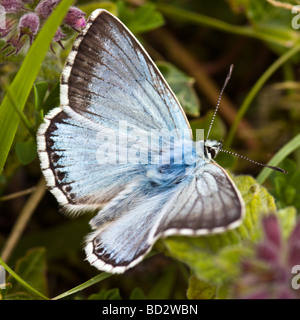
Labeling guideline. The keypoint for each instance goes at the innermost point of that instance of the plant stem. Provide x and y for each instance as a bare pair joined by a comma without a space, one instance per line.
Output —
17,194
23,219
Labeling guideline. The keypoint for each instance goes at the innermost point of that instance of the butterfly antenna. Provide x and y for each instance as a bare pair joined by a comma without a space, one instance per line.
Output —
255,162
219,100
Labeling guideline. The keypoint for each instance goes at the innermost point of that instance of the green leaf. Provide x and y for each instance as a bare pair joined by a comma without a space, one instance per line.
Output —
26,151
31,269
23,82
142,19
183,87
40,90
272,20
199,289
287,219
214,258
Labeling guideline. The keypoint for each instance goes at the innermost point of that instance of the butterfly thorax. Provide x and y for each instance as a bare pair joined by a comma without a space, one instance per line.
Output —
180,161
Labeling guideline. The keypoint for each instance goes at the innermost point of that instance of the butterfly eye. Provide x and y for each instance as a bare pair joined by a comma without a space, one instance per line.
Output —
212,152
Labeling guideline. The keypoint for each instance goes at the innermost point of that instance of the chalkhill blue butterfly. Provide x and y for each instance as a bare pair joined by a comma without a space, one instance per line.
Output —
120,145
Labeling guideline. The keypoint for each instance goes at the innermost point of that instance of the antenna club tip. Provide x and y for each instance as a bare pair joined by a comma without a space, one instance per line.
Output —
278,169
255,162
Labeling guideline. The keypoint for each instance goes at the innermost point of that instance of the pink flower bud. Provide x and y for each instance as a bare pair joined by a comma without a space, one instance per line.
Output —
45,8
29,24
75,18
12,6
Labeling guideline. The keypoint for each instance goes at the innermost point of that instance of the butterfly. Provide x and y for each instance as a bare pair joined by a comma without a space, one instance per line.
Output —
120,145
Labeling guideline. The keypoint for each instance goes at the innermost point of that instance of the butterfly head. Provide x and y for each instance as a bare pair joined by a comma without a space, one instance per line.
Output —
212,148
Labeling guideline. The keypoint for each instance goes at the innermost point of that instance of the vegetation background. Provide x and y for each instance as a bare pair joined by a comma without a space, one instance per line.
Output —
193,43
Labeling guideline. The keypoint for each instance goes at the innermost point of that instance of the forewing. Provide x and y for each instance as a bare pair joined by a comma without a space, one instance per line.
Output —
69,147
109,77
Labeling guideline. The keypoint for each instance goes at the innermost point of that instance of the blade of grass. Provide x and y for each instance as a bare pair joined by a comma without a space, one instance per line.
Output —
291,146
84,285
22,282
22,83
258,85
